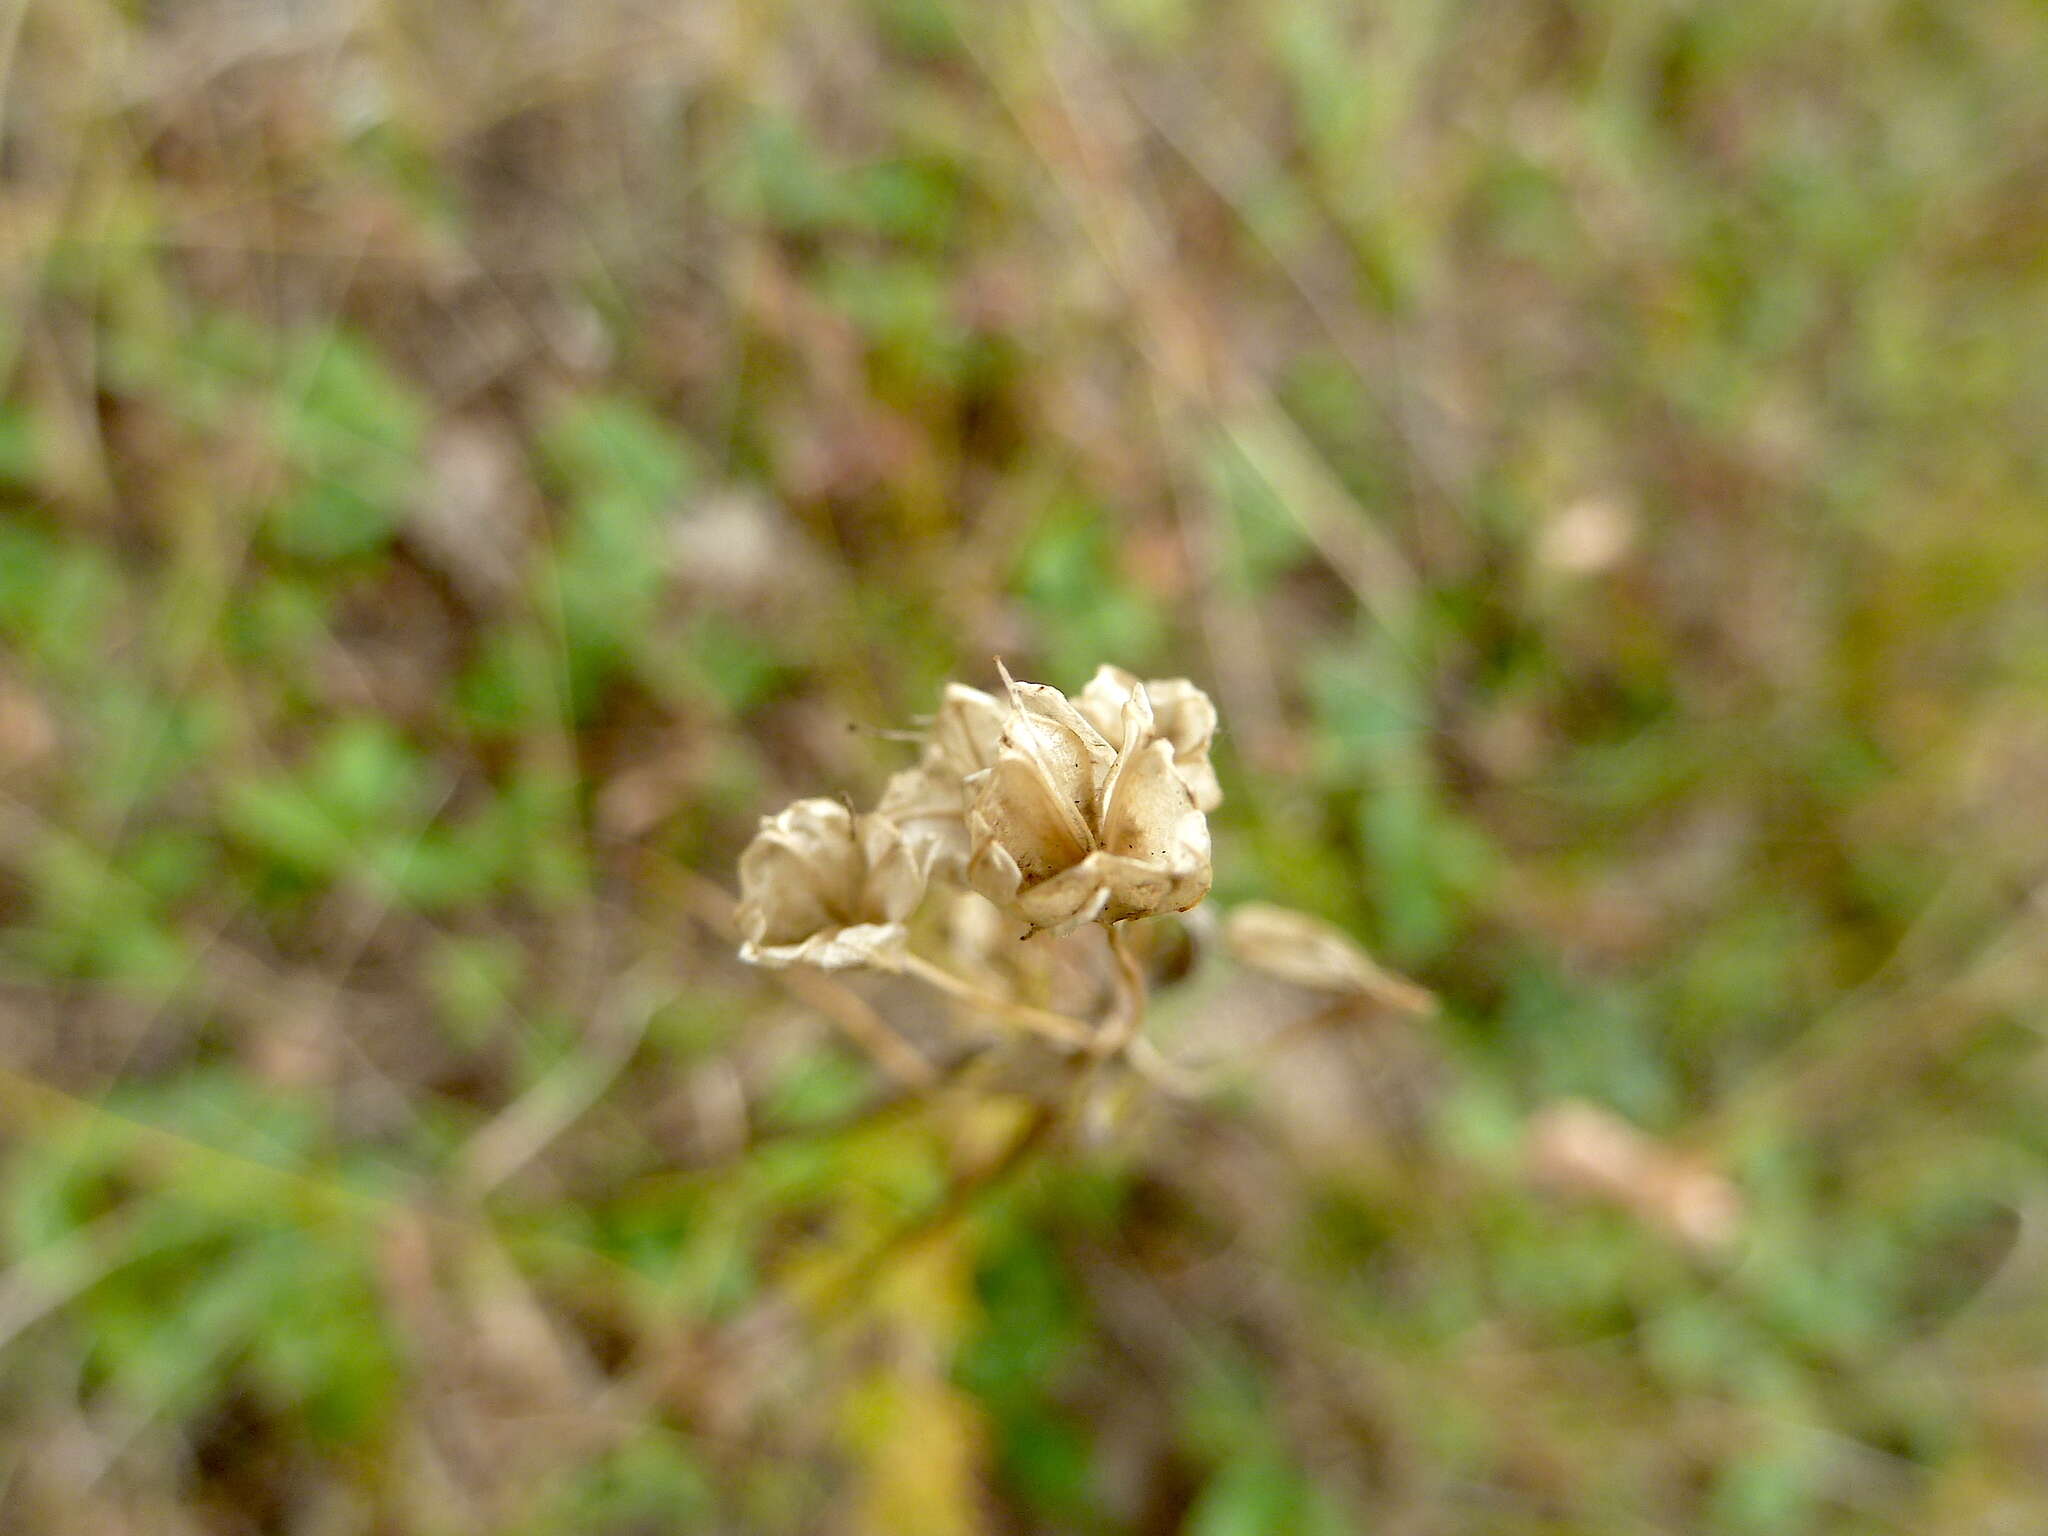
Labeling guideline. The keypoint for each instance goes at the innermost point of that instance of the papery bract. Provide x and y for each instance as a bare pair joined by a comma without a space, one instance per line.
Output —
929,802
1066,829
1182,715
821,886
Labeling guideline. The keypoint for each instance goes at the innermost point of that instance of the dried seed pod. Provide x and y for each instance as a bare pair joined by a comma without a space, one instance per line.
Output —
1065,829
821,886
1182,715
929,802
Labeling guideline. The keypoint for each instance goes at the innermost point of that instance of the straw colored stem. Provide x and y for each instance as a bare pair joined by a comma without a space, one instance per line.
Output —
1123,1026
1070,1033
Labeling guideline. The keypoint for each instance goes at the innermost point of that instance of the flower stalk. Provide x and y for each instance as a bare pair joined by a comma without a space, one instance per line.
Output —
1069,1034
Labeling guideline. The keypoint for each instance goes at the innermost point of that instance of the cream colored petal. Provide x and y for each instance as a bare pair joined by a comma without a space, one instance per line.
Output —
1101,703
1199,775
1191,861
1144,806
1138,723
1136,889
801,873
880,945
819,832
897,869
1044,725
966,731
1074,896
993,873
930,806
780,902
1064,780
1047,702
1136,717
1106,888
1183,715
1186,717
814,881
1155,845
1147,890
1018,808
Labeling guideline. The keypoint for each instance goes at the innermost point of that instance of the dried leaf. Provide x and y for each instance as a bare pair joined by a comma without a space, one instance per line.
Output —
1582,1149
1311,953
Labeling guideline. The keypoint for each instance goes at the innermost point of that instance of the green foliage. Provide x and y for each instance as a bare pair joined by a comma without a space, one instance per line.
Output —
1068,576
361,780
1032,1323
268,1292
351,430
1423,862
1251,1495
58,599
620,474
649,1482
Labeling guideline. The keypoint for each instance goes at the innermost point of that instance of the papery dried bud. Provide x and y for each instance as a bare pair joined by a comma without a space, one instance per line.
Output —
1582,1149
965,733
929,802
1182,716
929,806
821,886
1311,953
1065,829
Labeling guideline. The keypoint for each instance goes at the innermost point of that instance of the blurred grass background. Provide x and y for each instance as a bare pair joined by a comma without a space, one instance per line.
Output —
460,464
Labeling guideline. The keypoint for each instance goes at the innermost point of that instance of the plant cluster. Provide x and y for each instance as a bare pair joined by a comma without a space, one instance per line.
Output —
1060,814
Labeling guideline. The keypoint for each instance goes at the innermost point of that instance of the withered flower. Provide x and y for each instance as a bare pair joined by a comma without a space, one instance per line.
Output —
1308,952
1066,829
821,886
929,802
964,734
1181,713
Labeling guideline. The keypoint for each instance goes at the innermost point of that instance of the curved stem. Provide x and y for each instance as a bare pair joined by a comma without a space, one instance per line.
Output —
862,1025
1070,1033
1168,1076
1117,1034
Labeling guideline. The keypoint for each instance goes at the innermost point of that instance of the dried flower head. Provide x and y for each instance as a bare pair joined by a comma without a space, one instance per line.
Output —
929,802
1182,715
1065,829
821,886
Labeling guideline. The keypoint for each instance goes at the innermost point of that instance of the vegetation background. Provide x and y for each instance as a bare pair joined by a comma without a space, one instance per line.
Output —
462,463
